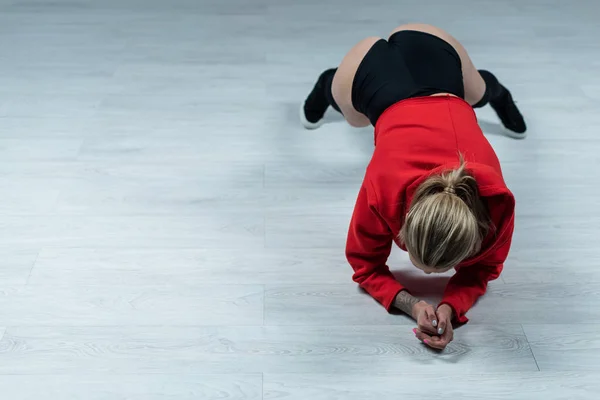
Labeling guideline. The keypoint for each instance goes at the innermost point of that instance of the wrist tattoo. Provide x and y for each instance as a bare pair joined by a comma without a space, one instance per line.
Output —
405,302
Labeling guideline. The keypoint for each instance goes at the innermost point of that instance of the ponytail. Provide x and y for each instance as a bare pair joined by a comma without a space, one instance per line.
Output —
447,220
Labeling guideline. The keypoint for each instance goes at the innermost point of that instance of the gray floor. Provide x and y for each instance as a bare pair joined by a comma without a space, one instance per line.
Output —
168,230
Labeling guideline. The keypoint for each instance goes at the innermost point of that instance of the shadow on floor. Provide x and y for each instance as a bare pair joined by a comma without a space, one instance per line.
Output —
491,128
422,285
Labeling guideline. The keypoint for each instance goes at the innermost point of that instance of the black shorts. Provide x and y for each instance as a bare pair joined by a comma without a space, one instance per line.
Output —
409,64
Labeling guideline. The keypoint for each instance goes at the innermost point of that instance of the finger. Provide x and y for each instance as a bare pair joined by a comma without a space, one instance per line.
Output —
431,317
442,326
428,321
422,336
443,341
436,343
448,336
431,341
426,326
437,346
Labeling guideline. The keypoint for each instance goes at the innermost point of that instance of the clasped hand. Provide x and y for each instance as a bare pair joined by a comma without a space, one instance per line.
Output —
434,327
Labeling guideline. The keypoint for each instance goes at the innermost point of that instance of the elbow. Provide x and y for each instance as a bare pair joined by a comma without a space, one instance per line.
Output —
361,273
359,276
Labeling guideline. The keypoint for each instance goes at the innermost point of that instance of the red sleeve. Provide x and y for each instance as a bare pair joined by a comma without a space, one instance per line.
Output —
367,249
469,283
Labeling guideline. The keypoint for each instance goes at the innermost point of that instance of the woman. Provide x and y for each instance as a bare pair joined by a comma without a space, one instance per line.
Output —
434,185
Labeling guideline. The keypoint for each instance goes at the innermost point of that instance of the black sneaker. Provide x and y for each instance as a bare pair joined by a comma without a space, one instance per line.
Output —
315,105
509,114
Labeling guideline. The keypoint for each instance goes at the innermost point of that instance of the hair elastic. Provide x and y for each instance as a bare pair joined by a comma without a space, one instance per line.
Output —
450,190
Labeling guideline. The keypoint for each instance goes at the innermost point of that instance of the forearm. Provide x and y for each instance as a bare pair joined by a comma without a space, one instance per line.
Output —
405,302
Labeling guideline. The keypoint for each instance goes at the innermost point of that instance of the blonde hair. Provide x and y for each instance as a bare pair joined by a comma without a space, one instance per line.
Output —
447,220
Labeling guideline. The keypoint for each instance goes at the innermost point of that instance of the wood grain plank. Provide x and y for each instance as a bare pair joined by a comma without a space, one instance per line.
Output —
565,347
16,265
121,196
240,174
27,197
231,145
139,267
296,199
374,386
234,142
553,265
116,131
55,128
66,350
218,230
49,149
575,232
538,303
345,303
140,106
298,174
307,229
325,305
52,105
133,387
123,305
160,198
152,81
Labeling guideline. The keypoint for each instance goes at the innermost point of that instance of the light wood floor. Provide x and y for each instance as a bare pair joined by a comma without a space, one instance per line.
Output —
169,231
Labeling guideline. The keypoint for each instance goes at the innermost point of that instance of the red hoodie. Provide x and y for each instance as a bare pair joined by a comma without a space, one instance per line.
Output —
414,139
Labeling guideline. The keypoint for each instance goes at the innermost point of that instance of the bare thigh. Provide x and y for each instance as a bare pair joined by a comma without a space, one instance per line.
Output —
341,87
473,82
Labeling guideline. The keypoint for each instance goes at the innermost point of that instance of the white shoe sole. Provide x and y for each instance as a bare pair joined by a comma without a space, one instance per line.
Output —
515,135
306,123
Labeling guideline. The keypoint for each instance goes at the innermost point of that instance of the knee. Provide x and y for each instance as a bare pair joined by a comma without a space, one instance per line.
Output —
358,120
